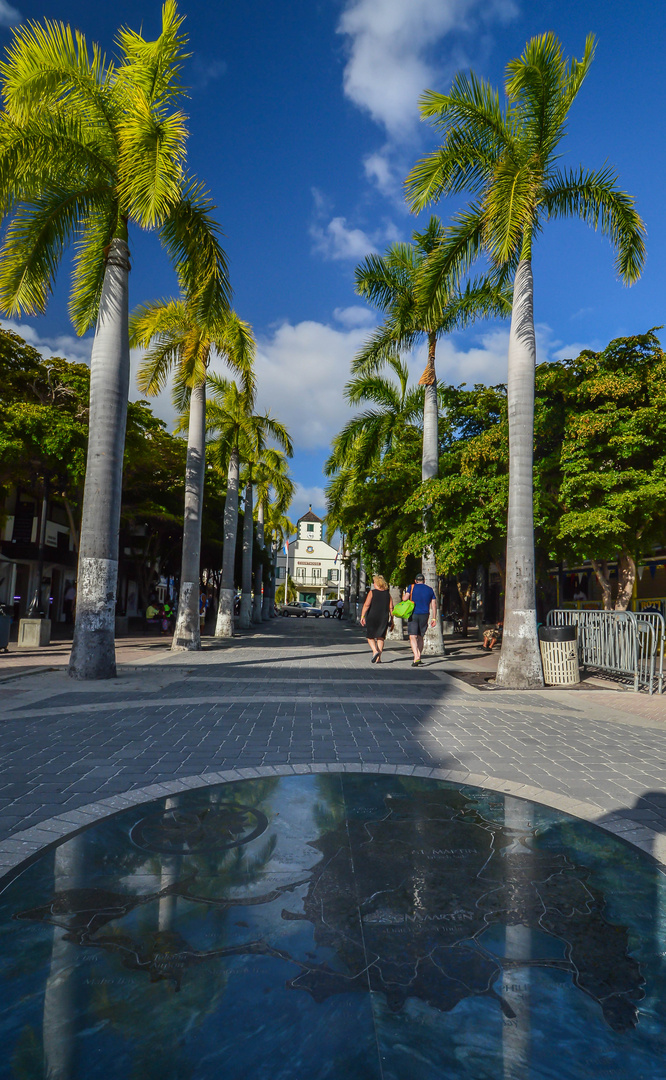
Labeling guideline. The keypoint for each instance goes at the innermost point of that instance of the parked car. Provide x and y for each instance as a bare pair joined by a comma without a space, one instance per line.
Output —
301,609
329,608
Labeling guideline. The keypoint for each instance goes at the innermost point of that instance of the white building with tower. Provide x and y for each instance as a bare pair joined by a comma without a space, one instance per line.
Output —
315,567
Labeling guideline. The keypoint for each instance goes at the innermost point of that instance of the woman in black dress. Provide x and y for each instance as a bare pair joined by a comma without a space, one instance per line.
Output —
376,616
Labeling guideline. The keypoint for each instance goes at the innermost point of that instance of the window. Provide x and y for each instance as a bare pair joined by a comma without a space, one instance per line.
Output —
334,575
310,528
300,573
316,573
279,572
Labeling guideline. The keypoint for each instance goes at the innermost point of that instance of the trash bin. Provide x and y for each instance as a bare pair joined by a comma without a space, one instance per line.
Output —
5,626
559,655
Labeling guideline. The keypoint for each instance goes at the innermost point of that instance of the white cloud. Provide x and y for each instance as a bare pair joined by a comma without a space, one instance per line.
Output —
305,497
301,373
391,47
386,170
354,316
338,241
9,16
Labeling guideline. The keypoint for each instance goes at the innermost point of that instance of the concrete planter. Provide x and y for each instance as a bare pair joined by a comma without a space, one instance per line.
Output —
34,633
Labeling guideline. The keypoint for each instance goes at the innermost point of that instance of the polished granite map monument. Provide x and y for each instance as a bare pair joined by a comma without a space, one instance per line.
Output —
350,926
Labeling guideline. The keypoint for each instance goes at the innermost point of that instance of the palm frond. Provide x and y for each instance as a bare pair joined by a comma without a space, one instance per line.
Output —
595,198
155,66
150,162
190,236
509,209
95,233
48,64
34,243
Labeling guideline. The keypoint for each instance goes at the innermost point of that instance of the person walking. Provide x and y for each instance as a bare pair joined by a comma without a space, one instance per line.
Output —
376,616
425,609
339,608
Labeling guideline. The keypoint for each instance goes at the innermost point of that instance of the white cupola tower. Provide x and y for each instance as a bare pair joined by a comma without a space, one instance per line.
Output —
310,527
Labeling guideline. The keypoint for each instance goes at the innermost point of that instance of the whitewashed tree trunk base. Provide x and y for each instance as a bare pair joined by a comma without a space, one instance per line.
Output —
93,652
187,635
245,617
433,640
224,626
93,648
519,665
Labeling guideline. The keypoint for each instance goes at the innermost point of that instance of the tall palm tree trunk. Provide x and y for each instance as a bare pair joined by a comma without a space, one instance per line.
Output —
246,577
433,642
93,653
224,626
187,635
269,588
520,661
259,572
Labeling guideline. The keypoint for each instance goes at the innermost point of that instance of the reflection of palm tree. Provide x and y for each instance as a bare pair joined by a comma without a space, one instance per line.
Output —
331,810
209,876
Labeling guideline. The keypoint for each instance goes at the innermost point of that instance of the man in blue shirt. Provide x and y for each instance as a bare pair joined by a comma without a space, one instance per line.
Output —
425,604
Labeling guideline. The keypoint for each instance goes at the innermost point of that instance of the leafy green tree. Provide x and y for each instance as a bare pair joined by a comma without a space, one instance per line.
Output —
182,338
613,456
390,282
43,422
88,147
507,156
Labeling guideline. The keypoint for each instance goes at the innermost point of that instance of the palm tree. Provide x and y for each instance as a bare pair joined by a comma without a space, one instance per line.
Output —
271,474
88,147
180,337
390,282
240,437
507,156
367,437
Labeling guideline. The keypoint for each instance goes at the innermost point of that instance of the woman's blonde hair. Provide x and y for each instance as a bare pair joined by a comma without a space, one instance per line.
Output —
379,581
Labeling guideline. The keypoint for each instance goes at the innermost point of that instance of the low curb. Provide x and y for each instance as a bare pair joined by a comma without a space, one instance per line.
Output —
25,846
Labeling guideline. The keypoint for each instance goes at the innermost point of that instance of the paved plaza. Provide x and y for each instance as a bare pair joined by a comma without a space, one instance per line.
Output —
302,697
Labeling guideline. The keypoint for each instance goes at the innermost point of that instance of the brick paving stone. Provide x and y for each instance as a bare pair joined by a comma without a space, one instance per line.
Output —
283,698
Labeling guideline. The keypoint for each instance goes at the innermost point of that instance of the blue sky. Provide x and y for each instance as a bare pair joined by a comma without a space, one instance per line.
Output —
304,121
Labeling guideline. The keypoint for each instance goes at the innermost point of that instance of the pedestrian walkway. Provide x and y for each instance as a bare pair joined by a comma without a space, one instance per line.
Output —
302,696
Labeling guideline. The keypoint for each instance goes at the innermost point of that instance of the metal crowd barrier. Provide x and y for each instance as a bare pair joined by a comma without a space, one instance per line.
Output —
620,642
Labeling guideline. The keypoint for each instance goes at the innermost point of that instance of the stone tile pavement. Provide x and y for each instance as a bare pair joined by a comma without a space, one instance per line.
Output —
299,696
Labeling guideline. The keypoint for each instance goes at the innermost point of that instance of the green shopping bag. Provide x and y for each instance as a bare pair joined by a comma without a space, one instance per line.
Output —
404,609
